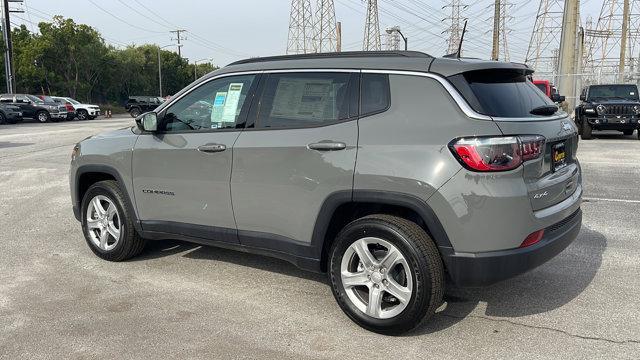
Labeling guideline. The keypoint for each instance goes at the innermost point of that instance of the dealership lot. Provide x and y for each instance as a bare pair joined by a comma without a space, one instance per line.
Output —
182,300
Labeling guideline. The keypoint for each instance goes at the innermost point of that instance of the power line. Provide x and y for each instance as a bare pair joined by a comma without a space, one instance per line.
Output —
122,20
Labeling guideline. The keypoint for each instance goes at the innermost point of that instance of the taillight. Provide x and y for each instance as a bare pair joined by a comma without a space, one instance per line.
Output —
500,153
69,107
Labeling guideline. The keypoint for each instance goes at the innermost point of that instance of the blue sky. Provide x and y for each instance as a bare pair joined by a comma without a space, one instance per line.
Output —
234,29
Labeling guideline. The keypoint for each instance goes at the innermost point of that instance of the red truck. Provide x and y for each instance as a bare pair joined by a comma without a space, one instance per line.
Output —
548,89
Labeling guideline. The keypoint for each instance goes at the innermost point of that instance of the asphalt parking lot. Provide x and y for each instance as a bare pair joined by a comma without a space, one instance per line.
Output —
58,300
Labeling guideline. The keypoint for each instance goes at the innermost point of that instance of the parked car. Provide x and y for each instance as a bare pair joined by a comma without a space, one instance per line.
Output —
71,110
50,100
84,111
549,90
33,107
608,107
137,105
9,114
390,171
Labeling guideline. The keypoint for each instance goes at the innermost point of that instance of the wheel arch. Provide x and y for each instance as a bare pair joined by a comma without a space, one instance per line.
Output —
88,175
343,207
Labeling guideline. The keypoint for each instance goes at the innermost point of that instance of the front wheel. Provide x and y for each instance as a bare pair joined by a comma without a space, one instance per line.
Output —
82,115
43,116
135,112
386,274
107,223
628,132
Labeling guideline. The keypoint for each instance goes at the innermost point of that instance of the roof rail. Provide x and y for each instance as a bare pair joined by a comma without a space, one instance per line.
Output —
345,54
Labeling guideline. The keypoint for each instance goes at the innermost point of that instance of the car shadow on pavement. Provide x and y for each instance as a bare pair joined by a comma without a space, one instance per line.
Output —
158,249
613,135
546,288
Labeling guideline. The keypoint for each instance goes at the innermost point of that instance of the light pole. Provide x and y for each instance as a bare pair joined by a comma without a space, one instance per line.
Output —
160,65
391,30
195,67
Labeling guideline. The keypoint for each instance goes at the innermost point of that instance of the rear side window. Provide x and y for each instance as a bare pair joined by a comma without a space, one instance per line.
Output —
375,95
294,100
500,93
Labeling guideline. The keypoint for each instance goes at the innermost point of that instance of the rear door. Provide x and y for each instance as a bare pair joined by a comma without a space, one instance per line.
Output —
181,173
300,149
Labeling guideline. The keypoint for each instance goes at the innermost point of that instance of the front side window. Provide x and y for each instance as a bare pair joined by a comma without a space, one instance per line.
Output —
294,100
214,105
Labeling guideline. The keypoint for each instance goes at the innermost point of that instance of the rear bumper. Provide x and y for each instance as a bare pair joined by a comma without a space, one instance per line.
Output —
481,269
60,115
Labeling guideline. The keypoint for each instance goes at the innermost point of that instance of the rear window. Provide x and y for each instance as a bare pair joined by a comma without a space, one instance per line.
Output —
500,93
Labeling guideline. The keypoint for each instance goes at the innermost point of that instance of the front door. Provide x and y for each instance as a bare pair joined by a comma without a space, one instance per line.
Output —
181,173
301,149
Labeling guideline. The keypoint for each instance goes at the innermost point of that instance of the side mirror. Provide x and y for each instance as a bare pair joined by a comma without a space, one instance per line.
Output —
557,98
583,98
148,121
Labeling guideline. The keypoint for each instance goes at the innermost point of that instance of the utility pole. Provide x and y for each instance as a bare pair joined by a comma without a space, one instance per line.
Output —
567,60
339,36
623,40
495,50
8,46
178,39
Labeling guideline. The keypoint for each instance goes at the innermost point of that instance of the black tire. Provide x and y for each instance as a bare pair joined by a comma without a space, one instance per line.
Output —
628,132
82,115
43,116
135,112
422,256
130,243
586,130
3,119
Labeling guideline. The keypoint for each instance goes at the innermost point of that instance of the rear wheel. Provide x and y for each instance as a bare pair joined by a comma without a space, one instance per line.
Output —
43,116
586,130
386,274
628,132
3,119
107,224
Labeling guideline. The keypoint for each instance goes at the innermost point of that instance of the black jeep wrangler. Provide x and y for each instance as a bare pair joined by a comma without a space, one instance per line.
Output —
138,105
608,107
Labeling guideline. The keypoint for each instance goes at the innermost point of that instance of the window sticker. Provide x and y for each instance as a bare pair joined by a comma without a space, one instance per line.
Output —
231,104
218,109
632,93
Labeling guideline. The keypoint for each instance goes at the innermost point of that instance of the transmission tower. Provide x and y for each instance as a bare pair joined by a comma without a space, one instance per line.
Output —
301,30
603,43
455,29
326,36
393,38
372,28
542,53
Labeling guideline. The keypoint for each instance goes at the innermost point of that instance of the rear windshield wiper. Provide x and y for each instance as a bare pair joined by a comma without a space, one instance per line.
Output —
544,110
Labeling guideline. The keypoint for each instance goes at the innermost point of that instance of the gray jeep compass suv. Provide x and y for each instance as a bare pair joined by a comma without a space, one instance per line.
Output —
391,171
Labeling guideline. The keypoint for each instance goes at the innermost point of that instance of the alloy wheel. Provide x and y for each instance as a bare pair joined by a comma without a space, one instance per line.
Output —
104,224
376,277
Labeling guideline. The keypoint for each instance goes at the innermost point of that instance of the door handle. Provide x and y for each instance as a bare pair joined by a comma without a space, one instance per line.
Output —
212,148
327,145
